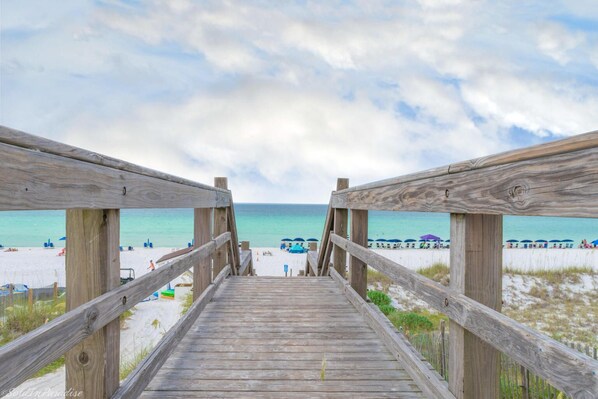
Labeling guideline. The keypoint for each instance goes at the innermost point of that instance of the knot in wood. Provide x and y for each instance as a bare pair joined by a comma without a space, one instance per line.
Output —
124,191
83,358
518,191
124,300
446,302
90,317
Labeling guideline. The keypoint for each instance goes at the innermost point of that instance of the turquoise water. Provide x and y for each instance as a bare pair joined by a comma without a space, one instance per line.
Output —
265,224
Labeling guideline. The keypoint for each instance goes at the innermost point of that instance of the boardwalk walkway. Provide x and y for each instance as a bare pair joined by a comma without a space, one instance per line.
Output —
267,337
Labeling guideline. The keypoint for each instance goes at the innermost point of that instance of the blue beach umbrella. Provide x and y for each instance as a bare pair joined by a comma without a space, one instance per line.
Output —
410,240
512,240
567,240
447,240
370,240
299,239
62,238
312,240
555,241
286,239
380,240
394,240
526,241
541,241
595,242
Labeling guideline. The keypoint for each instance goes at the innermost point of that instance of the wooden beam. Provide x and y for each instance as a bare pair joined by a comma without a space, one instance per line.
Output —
564,368
341,218
359,235
136,382
476,272
312,263
202,233
24,140
328,226
428,380
234,240
220,226
45,344
555,185
37,180
92,269
244,269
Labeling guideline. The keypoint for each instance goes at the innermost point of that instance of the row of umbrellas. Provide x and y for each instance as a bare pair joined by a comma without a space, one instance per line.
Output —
528,241
299,239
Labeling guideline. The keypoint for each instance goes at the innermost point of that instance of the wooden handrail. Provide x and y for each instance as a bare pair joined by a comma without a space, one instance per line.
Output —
547,180
568,370
42,174
136,382
36,349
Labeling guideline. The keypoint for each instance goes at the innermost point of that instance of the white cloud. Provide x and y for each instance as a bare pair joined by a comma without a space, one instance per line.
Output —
557,42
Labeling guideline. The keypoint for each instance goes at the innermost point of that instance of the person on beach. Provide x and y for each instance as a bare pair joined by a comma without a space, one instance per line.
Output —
152,267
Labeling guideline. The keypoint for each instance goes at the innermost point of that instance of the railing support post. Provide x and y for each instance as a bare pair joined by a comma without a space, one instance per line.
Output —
340,228
476,271
93,268
202,233
220,226
358,270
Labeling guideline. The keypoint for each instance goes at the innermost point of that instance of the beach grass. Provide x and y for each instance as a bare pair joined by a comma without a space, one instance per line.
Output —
563,275
438,272
128,365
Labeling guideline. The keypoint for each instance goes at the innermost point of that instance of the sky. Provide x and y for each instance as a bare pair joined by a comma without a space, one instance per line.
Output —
283,97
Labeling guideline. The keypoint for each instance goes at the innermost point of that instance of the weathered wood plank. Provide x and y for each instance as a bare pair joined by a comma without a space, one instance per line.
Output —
312,263
556,185
234,239
185,364
476,272
274,395
328,226
430,383
341,219
564,368
39,144
34,350
333,356
37,180
202,234
245,261
220,257
92,268
149,367
359,235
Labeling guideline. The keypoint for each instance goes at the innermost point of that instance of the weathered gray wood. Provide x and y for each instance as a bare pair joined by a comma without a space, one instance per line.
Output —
328,226
287,374
333,356
39,144
220,258
274,395
245,261
430,382
555,185
312,263
148,368
341,219
38,180
326,260
476,272
47,343
359,235
564,368
184,364
202,233
234,239
92,268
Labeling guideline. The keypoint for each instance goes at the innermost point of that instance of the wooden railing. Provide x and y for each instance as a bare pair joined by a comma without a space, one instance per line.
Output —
555,179
38,174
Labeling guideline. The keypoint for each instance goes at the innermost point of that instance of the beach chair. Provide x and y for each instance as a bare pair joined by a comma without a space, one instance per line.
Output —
151,244
130,248
145,245
121,248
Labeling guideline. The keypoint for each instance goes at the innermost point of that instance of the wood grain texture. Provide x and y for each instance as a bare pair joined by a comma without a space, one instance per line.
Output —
37,180
93,268
430,382
202,234
220,258
149,367
358,271
566,369
476,271
556,185
341,220
234,239
328,226
36,349
245,261
312,263
266,349
39,144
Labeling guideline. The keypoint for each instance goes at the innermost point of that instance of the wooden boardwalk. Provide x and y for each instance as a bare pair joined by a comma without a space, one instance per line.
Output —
268,337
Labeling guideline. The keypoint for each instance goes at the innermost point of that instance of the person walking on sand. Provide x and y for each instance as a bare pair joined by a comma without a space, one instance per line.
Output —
152,267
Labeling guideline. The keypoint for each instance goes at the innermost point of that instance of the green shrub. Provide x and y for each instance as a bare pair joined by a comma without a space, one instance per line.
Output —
410,322
379,298
386,309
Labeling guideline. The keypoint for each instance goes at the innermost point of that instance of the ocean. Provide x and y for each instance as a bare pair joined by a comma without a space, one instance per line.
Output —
264,225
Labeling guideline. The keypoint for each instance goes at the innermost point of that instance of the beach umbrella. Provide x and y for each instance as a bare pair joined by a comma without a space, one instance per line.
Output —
299,239
512,240
526,241
370,240
62,238
410,240
286,239
541,241
447,240
555,241
567,240
430,237
394,240
312,240
381,240
297,249
595,242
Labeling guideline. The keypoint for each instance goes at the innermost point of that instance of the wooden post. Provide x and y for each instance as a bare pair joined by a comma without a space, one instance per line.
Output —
476,271
55,291
202,233
244,245
220,226
442,350
11,295
30,299
340,228
524,383
313,246
359,235
93,268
